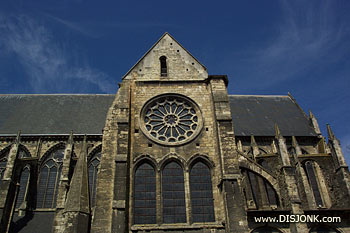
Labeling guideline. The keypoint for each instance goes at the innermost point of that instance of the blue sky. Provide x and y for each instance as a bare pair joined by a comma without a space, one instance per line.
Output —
265,47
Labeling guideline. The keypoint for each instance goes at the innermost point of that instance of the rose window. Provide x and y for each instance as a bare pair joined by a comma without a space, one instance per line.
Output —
171,119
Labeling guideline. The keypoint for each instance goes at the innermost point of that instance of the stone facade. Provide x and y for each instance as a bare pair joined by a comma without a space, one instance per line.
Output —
250,175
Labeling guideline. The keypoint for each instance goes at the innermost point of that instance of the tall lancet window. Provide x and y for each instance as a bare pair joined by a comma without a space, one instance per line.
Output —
49,178
173,193
94,165
311,175
23,186
145,194
201,193
163,66
3,162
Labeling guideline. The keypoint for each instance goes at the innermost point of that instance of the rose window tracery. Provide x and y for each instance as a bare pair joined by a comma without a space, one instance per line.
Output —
171,119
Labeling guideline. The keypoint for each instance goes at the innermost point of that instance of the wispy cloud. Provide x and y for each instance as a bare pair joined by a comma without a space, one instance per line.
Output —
308,36
50,65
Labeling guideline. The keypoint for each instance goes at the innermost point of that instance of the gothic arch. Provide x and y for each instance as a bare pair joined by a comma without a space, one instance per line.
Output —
321,183
145,158
266,229
24,148
257,169
200,157
173,157
95,150
60,145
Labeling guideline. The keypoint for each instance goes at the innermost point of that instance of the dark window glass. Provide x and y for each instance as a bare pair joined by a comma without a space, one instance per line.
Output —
310,171
3,162
49,178
201,193
323,229
145,195
266,230
23,184
93,169
254,187
163,66
173,193
271,195
23,154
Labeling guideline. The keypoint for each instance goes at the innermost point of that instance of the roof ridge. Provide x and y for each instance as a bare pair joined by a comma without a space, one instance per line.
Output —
286,96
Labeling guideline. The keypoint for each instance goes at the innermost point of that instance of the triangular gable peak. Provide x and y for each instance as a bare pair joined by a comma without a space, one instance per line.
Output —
167,60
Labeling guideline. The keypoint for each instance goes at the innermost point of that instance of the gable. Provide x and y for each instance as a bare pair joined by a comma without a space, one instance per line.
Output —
181,65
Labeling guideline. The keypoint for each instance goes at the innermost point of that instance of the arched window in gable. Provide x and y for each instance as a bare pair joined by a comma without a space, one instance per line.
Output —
145,194
163,66
23,186
312,178
201,193
93,168
173,193
49,178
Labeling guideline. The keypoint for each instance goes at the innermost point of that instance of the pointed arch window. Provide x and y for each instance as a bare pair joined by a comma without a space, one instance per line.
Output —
145,194
49,178
23,186
3,162
311,175
201,193
259,192
173,194
93,168
163,66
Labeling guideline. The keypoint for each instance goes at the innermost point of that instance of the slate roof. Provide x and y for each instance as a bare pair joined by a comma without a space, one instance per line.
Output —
86,114
53,114
257,115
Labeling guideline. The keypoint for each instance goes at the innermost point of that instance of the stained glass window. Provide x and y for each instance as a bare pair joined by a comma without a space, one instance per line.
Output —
93,168
49,177
23,186
310,171
3,162
173,193
145,195
201,193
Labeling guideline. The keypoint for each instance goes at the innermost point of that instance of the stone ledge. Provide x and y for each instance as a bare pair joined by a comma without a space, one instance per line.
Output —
215,225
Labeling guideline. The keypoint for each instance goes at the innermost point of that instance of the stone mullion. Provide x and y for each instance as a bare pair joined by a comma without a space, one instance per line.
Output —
63,185
263,193
158,198
188,197
248,191
8,187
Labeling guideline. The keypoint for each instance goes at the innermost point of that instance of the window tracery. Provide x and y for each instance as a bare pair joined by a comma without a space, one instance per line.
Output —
93,168
145,194
23,186
312,177
201,193
173,193
171,119
49,177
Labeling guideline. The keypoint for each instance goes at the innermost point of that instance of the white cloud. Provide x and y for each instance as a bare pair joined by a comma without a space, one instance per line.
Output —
308,37
49,64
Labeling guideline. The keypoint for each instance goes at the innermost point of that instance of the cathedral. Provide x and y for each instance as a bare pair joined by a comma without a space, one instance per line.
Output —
171,151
